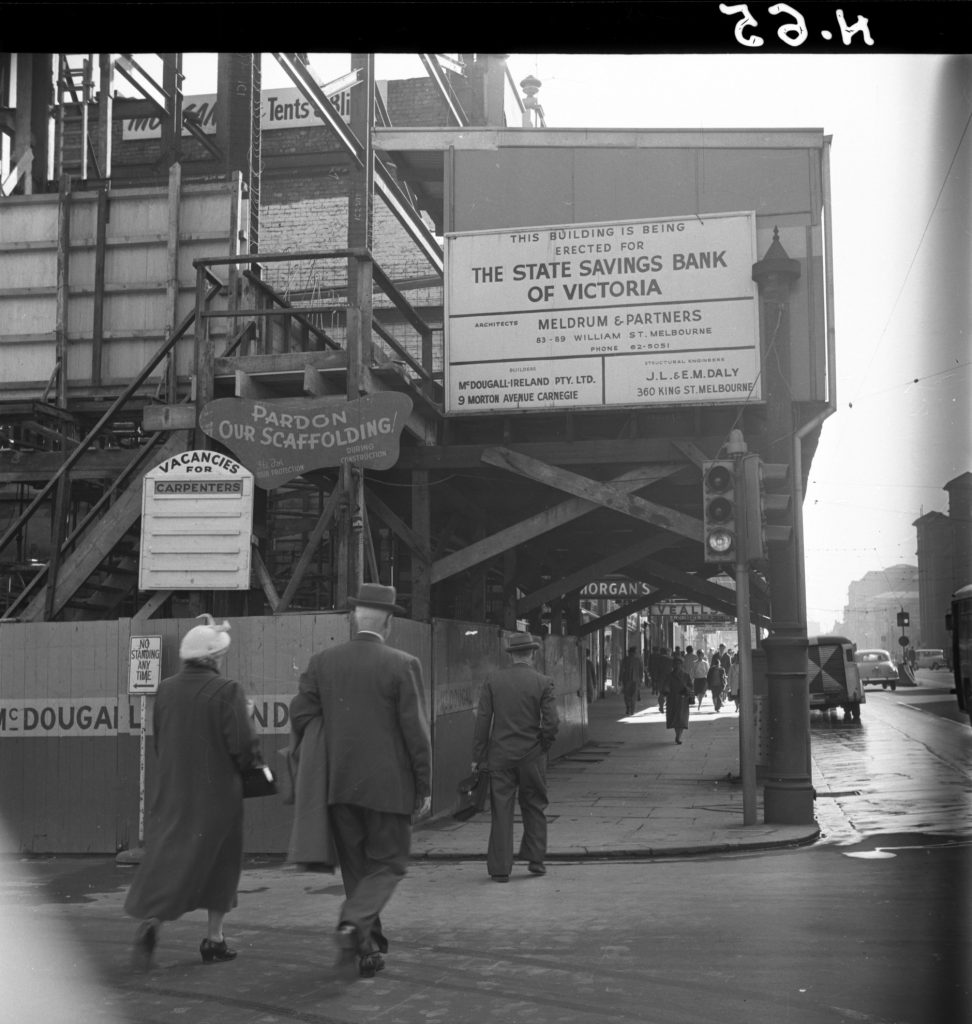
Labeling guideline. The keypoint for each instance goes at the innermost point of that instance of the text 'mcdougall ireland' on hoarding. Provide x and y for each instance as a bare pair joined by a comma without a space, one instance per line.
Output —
627,313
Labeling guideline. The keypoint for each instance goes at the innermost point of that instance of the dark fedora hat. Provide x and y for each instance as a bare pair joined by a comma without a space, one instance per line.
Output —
374,595
523,642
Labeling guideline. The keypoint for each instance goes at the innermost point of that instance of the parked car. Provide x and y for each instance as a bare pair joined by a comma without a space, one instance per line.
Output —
930,657
875,666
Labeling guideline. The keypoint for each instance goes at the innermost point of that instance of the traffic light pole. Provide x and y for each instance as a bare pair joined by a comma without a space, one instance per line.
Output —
747,701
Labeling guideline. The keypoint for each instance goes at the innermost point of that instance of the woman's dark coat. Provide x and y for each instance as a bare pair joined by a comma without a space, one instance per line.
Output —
680,695
194,832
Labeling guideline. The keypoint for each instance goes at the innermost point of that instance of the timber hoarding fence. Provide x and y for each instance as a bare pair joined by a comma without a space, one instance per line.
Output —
69,728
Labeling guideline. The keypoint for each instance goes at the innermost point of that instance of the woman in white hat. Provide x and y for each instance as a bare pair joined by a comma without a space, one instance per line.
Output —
203,739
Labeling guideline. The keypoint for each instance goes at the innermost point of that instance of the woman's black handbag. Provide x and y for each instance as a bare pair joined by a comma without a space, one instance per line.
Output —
259,780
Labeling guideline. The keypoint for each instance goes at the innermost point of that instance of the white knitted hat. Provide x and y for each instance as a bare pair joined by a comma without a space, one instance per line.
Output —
205,641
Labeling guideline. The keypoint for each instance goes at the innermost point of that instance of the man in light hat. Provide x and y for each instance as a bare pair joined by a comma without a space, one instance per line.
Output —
516,724
371,698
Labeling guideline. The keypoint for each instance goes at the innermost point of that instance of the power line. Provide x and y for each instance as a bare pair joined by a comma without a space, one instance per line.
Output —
921,240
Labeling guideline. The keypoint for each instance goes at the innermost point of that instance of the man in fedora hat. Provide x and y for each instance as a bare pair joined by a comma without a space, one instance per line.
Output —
516,723
379,764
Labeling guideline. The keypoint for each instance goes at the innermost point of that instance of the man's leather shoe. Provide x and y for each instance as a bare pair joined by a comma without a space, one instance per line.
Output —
370,965
346,941
536,867
500,878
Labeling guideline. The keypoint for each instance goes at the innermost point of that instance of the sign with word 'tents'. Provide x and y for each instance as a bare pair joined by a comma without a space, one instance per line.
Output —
279,108
197,524
144,664
653,312
279,439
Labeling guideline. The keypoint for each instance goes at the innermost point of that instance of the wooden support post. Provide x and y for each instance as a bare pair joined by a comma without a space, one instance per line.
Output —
62,492
172,275
361,197
369,545
86,96
421,570
233,275
266,580
98,315
204,353
105,103
172,122
509,588
63,273
307,555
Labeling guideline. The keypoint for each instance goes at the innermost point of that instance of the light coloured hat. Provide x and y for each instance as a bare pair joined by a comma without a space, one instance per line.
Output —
205,641
523,642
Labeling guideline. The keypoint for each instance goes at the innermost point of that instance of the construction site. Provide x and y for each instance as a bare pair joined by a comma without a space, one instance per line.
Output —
443,346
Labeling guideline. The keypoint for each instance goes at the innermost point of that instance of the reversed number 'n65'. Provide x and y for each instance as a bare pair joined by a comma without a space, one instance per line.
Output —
794,33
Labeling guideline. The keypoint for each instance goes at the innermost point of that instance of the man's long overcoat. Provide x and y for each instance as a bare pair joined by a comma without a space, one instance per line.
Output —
376,731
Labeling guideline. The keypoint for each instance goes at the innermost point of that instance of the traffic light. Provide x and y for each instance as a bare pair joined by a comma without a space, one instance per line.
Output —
754,545
765,506
719,527
776,503
904,618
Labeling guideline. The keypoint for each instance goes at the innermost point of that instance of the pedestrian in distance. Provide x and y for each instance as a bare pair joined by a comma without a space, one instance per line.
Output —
632,674
516,724
591,680
660,671
724,658
716,681
651,669
371,699
700,676
203,738
732,684
679,694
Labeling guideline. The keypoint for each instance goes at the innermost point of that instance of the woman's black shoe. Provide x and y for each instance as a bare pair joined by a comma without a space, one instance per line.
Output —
146,937
215,952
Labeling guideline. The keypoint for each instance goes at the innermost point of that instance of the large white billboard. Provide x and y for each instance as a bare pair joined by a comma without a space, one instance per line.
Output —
628,313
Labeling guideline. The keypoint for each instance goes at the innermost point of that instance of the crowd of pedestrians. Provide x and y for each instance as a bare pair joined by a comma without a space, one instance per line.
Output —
359,769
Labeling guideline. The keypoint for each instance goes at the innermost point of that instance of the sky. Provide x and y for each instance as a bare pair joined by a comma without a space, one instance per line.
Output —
900,170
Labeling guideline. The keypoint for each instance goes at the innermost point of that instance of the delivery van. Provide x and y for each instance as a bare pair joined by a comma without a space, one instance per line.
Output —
834,679
930,657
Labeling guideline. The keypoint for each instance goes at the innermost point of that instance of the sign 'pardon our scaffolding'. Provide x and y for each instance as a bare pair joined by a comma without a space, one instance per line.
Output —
651,312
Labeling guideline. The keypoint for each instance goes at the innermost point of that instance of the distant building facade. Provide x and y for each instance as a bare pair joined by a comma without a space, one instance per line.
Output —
873,605
944,559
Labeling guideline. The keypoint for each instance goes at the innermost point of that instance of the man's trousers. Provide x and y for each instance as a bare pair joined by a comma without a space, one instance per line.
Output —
530,781
372,849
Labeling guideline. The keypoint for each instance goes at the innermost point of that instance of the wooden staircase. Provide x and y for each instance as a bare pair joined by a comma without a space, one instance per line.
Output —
100,569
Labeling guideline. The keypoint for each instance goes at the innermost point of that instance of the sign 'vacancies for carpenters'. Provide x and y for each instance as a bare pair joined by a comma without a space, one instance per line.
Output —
197,524
652,312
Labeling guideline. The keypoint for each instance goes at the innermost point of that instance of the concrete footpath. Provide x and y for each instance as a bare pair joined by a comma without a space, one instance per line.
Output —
631,792
627,813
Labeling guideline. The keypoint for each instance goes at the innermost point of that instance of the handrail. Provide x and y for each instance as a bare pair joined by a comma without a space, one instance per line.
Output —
393,343
379,276
120,480
294,310
106,417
